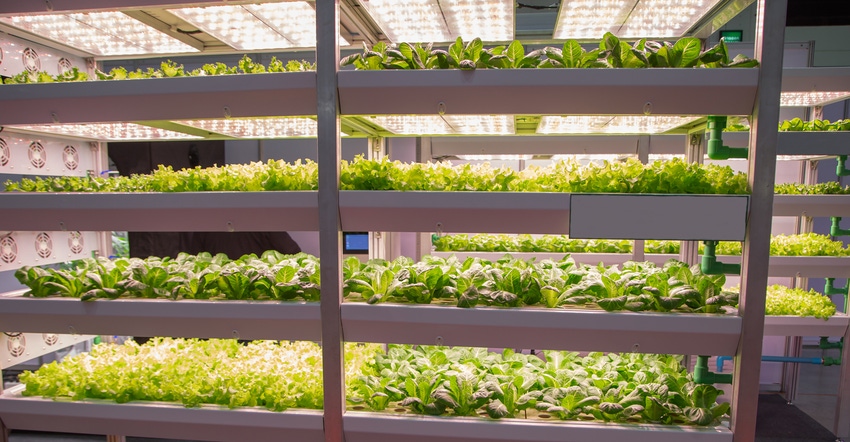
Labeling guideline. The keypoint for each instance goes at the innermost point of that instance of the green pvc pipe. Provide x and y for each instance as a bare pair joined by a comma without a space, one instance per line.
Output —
703,376
716,150
709,264
840,168
835,229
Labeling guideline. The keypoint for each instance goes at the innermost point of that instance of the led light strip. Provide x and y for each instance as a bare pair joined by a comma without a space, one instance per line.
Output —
443,20
624,124
809,99
289,127
107,131
446,124
100,33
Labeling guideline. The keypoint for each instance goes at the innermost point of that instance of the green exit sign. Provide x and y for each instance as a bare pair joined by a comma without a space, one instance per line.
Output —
732,36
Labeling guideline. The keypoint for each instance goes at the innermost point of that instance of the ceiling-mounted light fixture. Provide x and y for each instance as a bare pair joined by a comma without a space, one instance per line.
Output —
495,157
107,131
445,124
257,26
590,19
100,33
601,124
443,20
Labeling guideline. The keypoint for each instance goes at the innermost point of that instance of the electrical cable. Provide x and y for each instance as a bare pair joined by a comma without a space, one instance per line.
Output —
537,7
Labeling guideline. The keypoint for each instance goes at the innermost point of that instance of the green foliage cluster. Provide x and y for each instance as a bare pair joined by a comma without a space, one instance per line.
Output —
271,277
630,176
830,188
803,244
798,125
783,300
273,375
252,177
512,282
167,69
612,53
458,381
485,242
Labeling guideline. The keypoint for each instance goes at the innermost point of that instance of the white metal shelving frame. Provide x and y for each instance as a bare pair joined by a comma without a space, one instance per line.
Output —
746,92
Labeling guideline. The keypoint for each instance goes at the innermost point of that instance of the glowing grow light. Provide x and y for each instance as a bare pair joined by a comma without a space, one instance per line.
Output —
282,127
259,26
107,131
495,157
626,124
446,124
100,33
590,19
443,20
809,99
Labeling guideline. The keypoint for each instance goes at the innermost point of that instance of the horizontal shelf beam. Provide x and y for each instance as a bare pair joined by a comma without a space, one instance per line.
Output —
497,212
551,329
812,79
186,318
178,98
163,212
811,205
549,91
370,427
798,326
160,420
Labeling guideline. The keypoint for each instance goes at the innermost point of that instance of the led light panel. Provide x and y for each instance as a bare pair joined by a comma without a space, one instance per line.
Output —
108,131
446,124
809,99
590,19
290,127
626,124
443,20
100,33
255,27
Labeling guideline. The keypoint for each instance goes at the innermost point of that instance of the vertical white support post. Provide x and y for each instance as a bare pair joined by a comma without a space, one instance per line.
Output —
842,407
378,241
423,155
330,234
770,38
643,147
694,153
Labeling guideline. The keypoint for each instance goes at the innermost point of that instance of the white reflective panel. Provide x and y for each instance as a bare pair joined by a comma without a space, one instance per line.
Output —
261,26
446,124
809,99
100,33
107,131
443,20
411,21
590,19
622,124
664,18
290,127
491,20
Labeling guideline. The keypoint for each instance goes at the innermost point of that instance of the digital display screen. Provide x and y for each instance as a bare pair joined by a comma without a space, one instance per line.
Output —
355,242
732,36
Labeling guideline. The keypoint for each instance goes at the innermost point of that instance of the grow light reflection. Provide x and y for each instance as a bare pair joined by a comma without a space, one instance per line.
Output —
809,99
284,127
626,124
107,131
443,20
255,27
590,19
100,33
446,124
